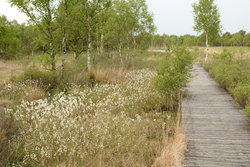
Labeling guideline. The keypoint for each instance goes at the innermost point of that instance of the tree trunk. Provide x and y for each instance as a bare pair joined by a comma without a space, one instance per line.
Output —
52,56
89,38
120,52
134,42
64,40
206,47
76,55
64,55
89,51
128,49
32,53
53,63
102,44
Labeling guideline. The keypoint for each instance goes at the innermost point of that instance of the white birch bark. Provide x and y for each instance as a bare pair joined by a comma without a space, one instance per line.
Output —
206,47
89,45
120,52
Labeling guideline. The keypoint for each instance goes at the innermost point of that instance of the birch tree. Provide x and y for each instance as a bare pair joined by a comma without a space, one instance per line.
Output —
62,19
207,20
42,13
128,24
93,8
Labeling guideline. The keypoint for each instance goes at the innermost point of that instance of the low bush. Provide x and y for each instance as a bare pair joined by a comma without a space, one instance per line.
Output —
241,93
247,108
174,73
47,79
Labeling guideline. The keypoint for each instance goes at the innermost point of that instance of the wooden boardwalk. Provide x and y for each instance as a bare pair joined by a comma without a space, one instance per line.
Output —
217,130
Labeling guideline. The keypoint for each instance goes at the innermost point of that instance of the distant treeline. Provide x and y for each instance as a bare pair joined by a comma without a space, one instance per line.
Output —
241,38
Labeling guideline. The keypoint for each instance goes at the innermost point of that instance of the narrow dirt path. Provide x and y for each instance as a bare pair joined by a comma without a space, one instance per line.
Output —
217,130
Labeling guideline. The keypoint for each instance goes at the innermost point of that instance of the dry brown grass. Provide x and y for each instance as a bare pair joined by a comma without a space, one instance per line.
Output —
9,69
173,152
106,74
238,52
34,93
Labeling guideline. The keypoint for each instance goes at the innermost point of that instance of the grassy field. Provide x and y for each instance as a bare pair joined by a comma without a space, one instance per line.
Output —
238,52
112,116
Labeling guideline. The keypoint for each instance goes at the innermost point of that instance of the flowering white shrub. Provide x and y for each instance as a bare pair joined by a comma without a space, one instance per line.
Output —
107,125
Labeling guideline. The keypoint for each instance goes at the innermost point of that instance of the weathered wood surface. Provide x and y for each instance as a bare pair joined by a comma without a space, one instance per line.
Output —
217,130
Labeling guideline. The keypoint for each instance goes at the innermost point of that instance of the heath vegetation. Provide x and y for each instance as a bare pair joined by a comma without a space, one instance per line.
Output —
231,69
84,83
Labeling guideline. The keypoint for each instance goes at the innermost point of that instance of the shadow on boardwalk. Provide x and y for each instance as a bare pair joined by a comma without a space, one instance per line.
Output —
217,130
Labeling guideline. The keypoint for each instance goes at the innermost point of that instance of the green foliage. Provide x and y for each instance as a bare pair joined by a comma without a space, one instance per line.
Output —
207,20
206,17
242,93
42,14
46,60
174,72
75,72
233,75
10,42
241,38
247,109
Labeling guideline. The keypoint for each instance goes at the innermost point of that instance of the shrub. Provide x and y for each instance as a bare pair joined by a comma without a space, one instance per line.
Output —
174,72
75,72
241,93
247,109
172,75
48,79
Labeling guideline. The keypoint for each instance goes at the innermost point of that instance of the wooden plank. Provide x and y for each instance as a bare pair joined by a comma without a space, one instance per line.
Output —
217,130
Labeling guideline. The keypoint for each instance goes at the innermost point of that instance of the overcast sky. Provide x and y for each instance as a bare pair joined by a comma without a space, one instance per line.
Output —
175,16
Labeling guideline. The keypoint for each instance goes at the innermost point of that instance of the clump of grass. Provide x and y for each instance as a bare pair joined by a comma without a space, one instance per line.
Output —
247,108
173,153
15,92
47,79
108,75
241,93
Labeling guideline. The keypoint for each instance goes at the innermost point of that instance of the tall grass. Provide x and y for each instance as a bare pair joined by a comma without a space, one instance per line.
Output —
119,124
173,153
